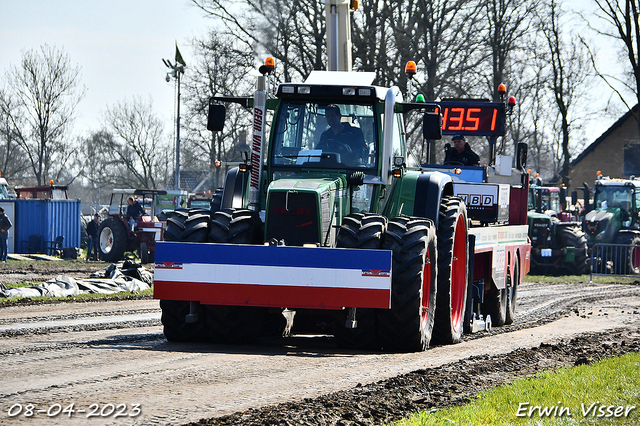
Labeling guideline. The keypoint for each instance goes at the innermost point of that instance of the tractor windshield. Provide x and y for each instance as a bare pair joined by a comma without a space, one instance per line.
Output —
608,197
325,136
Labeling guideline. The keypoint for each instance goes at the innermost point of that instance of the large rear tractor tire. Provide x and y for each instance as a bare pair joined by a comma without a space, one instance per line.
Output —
408,325
363,231
573,236
453,260
112,239
235,324
176,329
144,253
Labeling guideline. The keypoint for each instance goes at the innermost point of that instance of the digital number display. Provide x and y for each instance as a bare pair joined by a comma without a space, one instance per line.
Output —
472,118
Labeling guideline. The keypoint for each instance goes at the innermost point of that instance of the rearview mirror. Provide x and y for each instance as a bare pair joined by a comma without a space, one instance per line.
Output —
432,125
216,116
521,156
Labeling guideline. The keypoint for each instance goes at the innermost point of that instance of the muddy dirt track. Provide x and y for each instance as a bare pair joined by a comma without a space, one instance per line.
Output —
110,360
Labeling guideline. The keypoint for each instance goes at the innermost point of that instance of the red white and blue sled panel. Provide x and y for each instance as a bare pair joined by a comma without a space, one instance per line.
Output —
272,276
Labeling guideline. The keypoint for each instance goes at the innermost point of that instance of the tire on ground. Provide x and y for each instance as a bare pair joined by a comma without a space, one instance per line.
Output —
176,329
512,292
453,260
144,253
408,325
573,236
235,324
112,238
363,231
495,304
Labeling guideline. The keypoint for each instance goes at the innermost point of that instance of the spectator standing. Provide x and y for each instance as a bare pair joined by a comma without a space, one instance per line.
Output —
5,224
92,233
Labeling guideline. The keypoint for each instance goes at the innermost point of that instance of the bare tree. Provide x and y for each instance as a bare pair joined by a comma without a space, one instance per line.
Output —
623,17
570,70
13,162
40,99
137,146
508,24
221,66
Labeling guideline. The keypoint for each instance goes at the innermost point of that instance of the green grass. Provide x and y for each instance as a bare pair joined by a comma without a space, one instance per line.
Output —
611,382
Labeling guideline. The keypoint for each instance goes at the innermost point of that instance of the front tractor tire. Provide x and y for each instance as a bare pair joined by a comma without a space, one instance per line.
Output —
573,236
176,328
362,231
453,261
408,325
235,324
112,238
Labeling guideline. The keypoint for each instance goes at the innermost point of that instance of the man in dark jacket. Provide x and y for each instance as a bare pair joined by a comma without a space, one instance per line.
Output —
92,233
342,138
134,211
5,224
460,153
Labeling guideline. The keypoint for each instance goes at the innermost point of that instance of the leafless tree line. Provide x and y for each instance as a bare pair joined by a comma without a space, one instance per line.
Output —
463,48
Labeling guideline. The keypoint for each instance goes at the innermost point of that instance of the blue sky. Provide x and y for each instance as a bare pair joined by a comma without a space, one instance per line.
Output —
118,44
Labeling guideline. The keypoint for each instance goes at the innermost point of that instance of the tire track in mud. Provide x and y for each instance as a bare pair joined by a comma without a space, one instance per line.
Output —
131,361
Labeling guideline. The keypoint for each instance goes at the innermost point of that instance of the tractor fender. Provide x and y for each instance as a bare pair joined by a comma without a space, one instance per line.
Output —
235,189
430,188
621,234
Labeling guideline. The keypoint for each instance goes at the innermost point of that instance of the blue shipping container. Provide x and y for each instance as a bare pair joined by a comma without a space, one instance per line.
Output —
48,219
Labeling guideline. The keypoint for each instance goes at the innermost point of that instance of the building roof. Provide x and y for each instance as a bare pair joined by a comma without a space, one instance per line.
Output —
605,135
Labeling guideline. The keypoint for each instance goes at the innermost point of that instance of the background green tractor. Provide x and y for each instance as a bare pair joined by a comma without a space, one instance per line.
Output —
558,244
615,219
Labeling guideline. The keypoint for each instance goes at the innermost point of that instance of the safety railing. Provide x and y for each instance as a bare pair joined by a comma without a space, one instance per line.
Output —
615,259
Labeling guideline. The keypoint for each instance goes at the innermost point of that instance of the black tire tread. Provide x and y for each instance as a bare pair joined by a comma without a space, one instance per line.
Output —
452,209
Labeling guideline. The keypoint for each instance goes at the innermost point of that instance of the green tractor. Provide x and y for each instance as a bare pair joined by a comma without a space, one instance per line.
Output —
615,220
558,244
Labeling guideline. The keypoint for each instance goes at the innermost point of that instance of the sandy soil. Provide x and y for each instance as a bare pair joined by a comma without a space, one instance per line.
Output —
113,355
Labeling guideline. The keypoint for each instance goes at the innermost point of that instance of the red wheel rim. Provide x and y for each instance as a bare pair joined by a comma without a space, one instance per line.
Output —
426,286
635,258
458,273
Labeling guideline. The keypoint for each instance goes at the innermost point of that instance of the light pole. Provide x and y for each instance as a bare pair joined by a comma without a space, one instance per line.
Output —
176,71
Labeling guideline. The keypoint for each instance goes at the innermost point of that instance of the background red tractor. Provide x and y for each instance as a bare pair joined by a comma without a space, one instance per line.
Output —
116,236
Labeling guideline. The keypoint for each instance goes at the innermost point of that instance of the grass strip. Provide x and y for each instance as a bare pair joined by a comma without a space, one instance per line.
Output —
606,392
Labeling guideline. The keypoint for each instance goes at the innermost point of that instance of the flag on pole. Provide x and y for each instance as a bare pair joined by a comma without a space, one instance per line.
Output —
179,56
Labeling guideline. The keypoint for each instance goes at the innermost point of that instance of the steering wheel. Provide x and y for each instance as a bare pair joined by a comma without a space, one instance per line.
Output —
454,163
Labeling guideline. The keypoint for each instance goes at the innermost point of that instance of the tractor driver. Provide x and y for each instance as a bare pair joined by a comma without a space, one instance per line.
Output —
134,212
341,137
460,153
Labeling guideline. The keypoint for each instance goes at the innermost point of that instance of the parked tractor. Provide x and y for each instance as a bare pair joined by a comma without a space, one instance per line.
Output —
558,244
341,234
116,236
615,219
